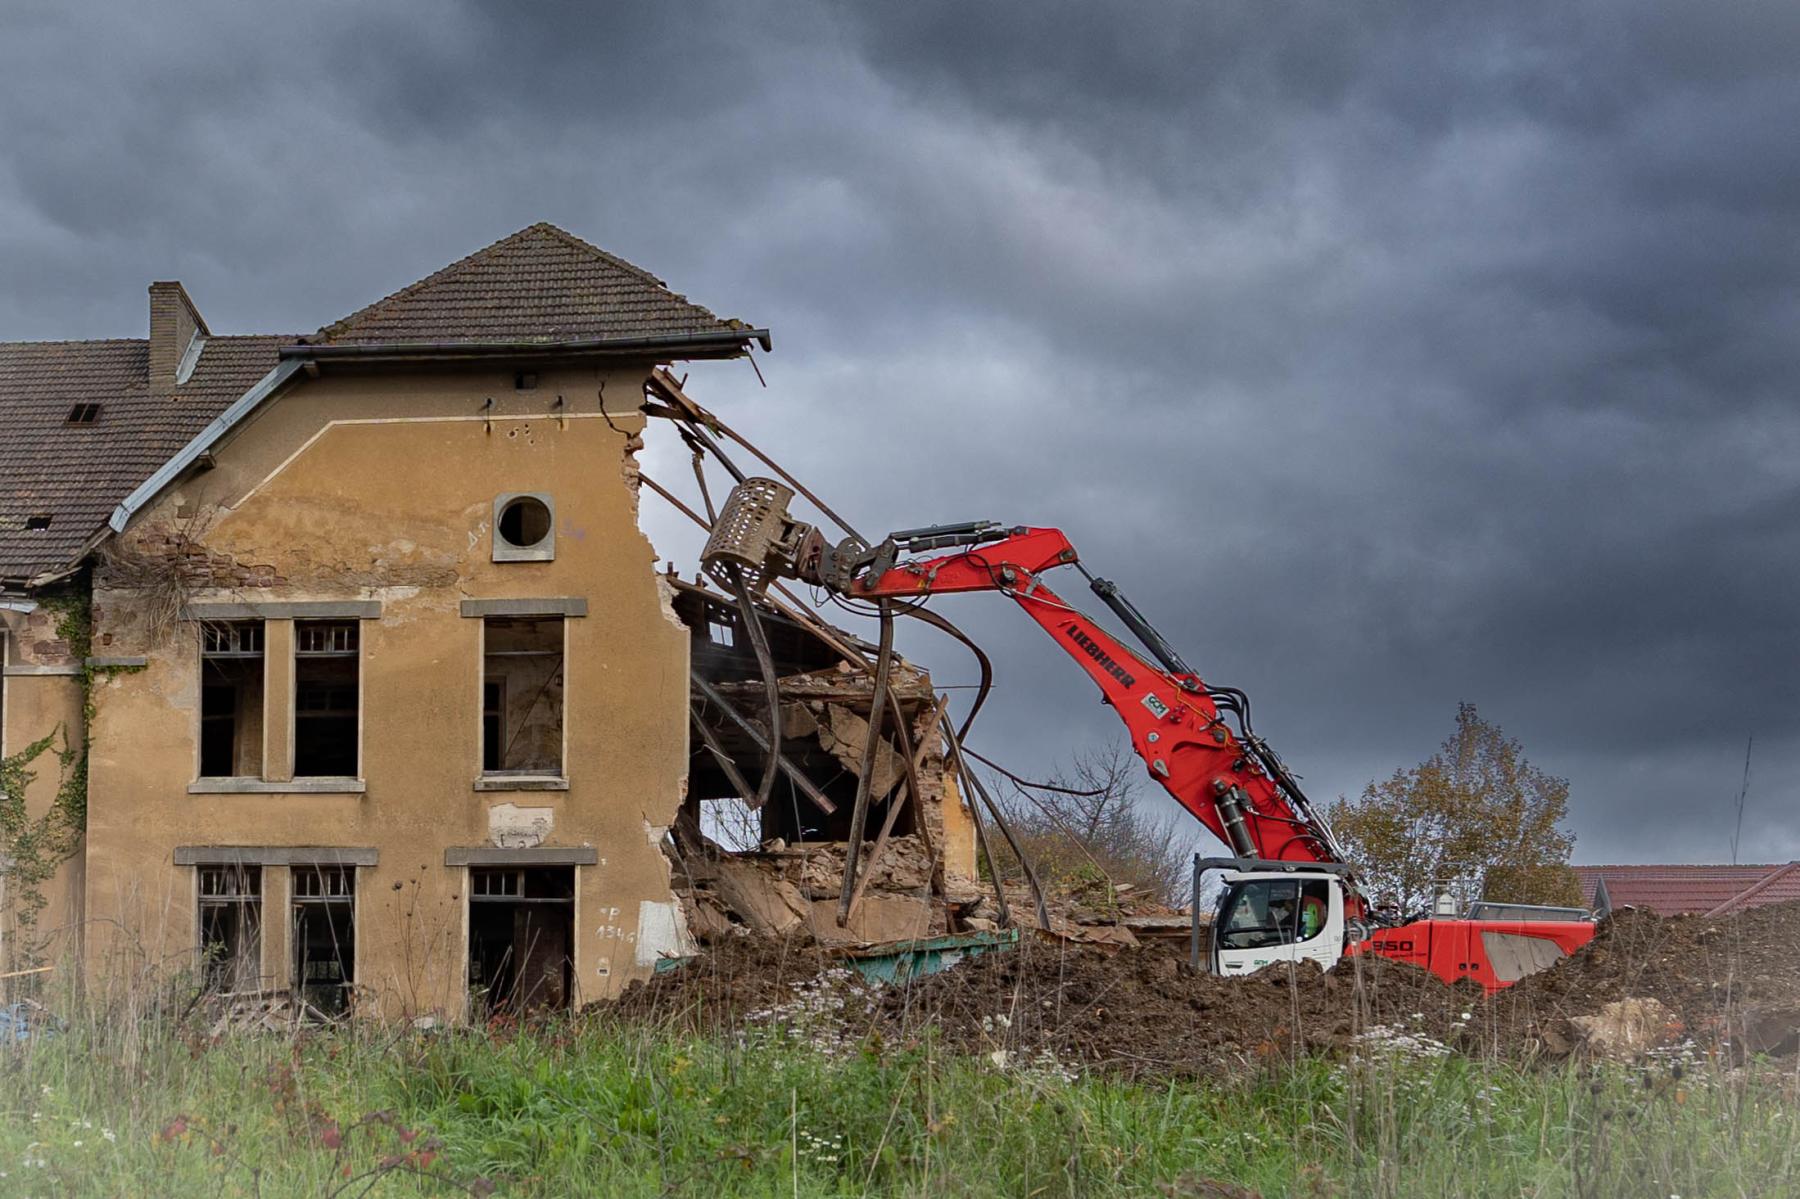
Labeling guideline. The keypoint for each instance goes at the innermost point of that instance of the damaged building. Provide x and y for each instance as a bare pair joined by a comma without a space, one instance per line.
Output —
337,667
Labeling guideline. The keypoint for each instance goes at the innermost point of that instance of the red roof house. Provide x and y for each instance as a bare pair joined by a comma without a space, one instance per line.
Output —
1688,890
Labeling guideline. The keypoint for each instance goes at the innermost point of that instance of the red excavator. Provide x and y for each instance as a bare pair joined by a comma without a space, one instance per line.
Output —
1288,894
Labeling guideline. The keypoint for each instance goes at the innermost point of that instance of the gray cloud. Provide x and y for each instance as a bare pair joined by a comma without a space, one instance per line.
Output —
1389,356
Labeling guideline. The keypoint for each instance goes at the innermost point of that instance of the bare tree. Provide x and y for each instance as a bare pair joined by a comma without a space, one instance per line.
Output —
1103,827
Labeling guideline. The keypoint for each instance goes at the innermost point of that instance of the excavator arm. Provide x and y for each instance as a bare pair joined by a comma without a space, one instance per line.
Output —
1195,738
1227,779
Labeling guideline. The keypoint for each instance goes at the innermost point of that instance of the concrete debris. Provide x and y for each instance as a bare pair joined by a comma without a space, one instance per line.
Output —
878,920
818,869
845,735
768,905
783,892
1627,1028
262,1011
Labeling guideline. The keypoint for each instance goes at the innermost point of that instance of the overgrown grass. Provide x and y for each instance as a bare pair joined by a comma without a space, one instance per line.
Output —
596,1110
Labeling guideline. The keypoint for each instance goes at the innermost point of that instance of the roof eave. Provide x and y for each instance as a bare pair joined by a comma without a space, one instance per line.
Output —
277,378
709,344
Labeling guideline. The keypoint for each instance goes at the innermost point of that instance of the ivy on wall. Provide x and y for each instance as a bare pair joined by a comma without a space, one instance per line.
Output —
34,848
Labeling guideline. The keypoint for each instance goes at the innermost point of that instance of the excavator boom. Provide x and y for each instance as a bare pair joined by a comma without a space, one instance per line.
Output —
1226,779
1196,740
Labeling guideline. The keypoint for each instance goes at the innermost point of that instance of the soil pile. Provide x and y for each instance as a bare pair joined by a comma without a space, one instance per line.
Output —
1136,1011
1732,983
726,984
1143,1012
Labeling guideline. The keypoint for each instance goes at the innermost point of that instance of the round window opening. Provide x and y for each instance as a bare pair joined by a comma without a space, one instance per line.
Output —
524,522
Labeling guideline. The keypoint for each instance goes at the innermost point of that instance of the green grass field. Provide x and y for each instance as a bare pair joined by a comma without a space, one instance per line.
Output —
567,1109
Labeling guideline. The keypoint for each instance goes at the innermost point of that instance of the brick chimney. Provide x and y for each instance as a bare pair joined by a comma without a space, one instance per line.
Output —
174,323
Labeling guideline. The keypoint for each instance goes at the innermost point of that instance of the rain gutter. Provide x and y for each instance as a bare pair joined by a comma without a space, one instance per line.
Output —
732,340
190,453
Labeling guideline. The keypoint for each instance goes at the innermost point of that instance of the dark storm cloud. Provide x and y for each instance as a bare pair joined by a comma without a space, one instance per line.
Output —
1390,355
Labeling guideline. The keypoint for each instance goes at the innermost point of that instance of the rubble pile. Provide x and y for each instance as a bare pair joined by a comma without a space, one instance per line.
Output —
1730,983
1643,986
781,890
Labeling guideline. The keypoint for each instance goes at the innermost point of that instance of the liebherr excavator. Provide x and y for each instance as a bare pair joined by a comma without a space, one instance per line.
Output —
1289,895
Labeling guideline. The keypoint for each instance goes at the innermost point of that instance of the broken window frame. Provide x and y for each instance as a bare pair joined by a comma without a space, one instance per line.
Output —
326,890
235,893
223,642
560,672
342,642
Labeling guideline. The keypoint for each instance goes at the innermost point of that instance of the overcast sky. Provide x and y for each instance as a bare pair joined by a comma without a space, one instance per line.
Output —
1388,355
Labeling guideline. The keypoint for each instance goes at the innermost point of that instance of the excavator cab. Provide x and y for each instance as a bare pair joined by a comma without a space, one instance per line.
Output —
1264,917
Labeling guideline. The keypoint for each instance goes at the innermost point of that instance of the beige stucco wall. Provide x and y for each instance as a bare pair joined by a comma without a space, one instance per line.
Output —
381,487
40,696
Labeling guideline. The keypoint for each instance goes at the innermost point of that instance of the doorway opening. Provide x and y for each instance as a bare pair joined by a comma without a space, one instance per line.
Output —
521,939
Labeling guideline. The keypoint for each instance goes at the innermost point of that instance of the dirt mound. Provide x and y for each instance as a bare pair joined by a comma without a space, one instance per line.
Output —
1059,1005
1056,1004
1731,981
1140,1011
726,984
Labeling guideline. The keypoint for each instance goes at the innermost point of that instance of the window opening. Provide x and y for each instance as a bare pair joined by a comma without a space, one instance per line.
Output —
524,522
521,939
493,722
324,913
231,699
1264,913
721,631
522,695
231,927
524,380
37,523
84,414
326,708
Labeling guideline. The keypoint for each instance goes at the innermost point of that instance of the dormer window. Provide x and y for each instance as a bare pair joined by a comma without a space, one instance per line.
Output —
84,414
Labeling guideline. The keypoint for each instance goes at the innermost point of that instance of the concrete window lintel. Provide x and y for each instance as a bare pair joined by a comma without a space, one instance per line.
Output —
520,782
487,855
275,855
127,663
307,786
548,606
291,610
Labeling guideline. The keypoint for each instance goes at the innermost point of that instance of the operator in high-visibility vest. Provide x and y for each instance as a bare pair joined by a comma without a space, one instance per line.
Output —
1312,917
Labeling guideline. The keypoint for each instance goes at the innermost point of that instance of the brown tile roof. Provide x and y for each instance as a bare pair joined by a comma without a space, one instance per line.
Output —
1703,890
542,284
76,474
539,286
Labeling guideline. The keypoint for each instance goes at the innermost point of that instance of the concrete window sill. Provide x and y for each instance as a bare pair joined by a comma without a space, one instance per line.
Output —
311,786
520,782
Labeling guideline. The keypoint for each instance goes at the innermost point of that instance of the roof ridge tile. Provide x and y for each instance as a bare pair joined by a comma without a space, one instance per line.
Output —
541,284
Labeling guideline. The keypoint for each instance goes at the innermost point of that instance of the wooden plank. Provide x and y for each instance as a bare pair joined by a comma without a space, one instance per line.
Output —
899,801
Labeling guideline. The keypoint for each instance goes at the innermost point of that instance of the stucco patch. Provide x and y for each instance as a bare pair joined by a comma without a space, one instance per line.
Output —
661,932
513,827
665,593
